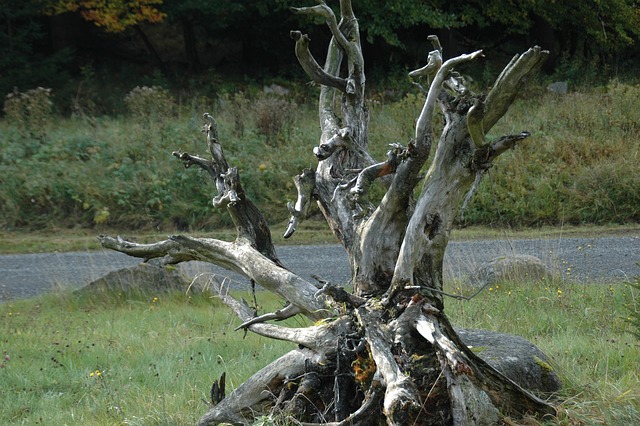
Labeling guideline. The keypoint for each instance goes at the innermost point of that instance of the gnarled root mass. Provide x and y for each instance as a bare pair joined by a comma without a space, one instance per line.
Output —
363,363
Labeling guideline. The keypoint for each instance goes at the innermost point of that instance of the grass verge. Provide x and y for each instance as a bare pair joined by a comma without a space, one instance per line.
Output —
310,232
150,360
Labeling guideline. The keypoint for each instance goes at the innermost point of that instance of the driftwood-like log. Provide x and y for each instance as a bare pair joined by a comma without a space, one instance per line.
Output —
237,257
386,352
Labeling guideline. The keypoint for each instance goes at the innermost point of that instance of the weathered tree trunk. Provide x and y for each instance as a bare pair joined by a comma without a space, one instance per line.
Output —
390,354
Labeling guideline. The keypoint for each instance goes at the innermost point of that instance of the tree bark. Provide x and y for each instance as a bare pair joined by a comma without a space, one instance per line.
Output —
388,354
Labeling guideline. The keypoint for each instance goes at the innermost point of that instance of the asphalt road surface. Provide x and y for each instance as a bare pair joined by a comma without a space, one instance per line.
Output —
586,260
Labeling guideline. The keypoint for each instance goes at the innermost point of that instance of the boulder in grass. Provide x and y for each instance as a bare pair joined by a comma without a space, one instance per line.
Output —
515,357
145,278
518,267
559,87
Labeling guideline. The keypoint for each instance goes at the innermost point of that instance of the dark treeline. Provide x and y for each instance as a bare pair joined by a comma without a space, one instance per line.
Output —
186,42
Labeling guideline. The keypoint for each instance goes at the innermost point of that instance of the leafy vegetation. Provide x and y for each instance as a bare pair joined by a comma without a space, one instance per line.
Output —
107,359
49,42
113,16
578,167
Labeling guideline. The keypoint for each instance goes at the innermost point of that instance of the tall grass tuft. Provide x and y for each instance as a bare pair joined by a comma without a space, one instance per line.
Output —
633,307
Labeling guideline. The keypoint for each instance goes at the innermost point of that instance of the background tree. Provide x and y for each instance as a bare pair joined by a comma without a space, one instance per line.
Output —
195,15
599,37
385,353
115,16
112,15
22,61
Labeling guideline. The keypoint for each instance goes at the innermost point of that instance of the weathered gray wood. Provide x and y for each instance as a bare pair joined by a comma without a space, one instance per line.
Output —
390,339
238,257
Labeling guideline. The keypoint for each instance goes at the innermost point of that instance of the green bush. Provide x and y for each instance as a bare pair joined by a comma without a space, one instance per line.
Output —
579,165
31,111
151,106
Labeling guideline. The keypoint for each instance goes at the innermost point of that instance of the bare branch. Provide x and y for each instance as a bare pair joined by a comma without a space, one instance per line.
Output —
504,392
169,249
401,396
475,117
509,82
190,160
305,184
310,65
211,129
340,295
237,257
325,12
484,156
237,408
342,139
506,142
434,62
371,400
424,123
279,315
346,9
369,174
435,41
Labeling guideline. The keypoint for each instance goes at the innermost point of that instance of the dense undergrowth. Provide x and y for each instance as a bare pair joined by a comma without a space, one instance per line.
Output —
580,166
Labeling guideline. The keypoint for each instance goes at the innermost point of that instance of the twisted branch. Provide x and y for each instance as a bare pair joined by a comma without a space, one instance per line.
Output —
311,67
305,184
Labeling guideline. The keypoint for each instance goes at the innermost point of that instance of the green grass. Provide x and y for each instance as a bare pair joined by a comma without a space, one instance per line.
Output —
157,358
585,330
112,361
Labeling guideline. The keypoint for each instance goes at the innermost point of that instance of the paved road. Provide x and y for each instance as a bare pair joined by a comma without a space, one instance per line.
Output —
599,260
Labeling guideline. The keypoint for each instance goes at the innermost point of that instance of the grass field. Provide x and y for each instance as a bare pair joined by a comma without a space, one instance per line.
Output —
151,359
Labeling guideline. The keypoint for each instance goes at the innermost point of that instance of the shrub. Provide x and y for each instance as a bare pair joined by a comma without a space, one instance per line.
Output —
274,117
579,165
30,111
151,106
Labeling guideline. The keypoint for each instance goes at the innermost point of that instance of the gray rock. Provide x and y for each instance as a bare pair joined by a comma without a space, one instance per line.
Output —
515,357
275,89
510,268
559,87
142,278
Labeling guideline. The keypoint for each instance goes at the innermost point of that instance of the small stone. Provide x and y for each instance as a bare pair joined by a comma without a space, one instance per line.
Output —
559,87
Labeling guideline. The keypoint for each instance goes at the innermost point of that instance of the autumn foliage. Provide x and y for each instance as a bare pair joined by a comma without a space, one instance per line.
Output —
111,15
